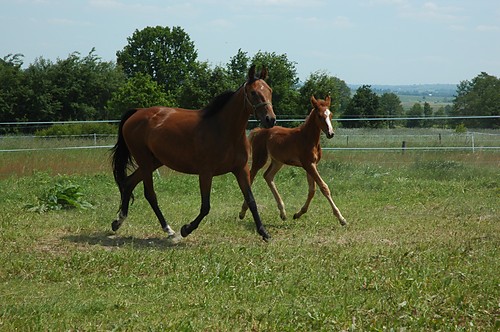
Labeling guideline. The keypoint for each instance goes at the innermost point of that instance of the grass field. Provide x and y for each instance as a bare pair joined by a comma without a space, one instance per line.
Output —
420,252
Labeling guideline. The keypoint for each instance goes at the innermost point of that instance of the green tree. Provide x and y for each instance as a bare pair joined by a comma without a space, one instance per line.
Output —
478,97
76,88
11,86
237,68
139,91
391,107
282,79
427,112
320,84
167,55
416,111
364,104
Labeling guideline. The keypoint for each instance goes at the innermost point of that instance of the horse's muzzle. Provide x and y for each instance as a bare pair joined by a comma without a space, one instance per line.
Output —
269,122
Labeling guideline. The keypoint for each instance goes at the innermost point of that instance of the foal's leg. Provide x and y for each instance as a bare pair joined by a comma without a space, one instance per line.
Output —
313,172
126,189
310,195
269,174
205,187
150,195
243,178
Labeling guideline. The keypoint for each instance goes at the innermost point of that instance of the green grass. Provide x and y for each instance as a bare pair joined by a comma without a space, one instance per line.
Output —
420,251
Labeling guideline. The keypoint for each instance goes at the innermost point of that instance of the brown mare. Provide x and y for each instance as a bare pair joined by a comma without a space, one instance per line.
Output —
207,142
296,147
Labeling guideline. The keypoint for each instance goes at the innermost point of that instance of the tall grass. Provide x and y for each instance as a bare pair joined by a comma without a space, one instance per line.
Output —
420,251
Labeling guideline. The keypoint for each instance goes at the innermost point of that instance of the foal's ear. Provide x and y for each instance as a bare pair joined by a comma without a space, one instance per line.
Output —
251,73
264,74
328,100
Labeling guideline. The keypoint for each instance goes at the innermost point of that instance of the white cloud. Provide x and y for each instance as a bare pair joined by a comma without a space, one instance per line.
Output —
488,28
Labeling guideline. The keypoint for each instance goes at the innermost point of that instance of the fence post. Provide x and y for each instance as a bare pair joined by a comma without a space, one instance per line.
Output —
95,139
403,147
472,142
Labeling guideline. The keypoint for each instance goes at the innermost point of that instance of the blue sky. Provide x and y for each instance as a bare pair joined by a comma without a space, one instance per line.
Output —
359,41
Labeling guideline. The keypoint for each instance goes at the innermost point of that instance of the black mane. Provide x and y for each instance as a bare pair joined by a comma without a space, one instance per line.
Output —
217,103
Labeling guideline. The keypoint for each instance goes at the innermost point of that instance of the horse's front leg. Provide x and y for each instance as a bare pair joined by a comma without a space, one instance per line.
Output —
310,195
243,177
205,187
313,172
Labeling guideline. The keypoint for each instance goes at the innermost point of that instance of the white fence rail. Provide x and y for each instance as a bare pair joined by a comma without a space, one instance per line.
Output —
431,139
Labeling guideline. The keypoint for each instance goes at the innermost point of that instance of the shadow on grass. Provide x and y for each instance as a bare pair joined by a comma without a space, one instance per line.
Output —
111,240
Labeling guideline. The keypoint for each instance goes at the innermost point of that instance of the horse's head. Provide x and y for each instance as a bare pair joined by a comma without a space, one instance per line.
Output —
321,109
258,96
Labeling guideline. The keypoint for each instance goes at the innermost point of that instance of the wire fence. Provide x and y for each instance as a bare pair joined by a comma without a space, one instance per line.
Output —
361,139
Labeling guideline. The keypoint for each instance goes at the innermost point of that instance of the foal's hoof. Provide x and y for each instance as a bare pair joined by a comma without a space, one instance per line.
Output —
343,222
115,225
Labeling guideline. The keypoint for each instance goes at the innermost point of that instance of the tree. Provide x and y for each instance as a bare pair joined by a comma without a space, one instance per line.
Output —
416,111
427,112
167,55
480,96
364,104
282,79
320,84
203,85
75,88
138,91
391,107
237,68
11,86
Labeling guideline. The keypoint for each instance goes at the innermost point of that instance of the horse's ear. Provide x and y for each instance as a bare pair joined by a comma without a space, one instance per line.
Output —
328,100
251,73
264,74
314,102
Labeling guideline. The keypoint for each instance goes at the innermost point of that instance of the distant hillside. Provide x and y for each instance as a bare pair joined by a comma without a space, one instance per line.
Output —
427,90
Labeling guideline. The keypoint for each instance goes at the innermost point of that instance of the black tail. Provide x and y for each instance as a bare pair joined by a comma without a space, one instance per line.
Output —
121,158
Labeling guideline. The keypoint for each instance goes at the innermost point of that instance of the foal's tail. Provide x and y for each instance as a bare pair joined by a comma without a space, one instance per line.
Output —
258,144
121,158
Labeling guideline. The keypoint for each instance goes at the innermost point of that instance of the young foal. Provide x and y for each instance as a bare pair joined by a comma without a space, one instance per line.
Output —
296,147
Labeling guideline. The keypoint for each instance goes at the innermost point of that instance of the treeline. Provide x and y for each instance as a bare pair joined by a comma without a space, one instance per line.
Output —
160,66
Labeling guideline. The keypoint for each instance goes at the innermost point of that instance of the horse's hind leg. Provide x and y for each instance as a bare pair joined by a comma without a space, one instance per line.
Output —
205,187
310,195
126,189
269,174
150,195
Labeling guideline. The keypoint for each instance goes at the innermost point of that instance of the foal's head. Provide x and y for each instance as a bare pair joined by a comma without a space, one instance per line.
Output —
258,96
323,115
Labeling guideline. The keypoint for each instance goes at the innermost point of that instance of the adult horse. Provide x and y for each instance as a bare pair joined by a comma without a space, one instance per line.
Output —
296,147
207,142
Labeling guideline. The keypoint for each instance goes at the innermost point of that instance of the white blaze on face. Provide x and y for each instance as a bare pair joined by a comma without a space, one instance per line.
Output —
329,122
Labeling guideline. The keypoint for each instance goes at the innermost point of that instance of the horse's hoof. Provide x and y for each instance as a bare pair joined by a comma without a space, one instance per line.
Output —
241,216
184,231
115,225
296,216
265,235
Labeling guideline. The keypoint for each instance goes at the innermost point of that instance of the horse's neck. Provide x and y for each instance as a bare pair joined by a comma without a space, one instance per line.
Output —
310,129
233,117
